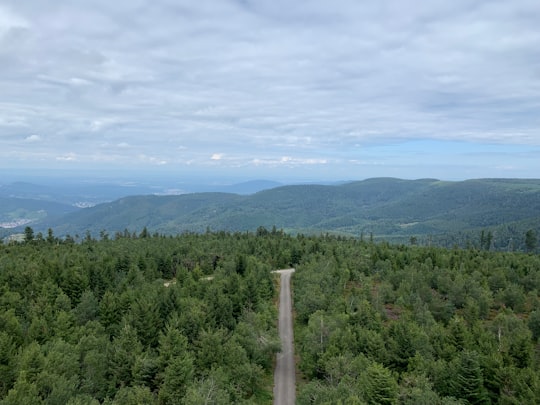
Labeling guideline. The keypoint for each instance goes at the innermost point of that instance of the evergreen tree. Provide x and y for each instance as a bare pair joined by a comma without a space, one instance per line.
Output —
531,240
50,236
146,318
124,349
134,395
7,359
82,399
176,378
94,350
28,234
109,312
469,381
88,308
23,392
534,324
381,387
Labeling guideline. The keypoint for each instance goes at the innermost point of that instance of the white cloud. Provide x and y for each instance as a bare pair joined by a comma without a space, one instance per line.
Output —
154,160
288,161
33,138
217,156
101,124
69,157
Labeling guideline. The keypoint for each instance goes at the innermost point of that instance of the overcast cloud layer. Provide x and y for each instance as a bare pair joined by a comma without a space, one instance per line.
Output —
331,89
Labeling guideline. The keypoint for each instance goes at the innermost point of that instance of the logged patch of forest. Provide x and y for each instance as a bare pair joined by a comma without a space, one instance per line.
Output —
191,319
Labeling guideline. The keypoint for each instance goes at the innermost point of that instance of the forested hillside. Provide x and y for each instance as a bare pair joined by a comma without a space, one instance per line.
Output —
191,319
428,211
168,320
382,324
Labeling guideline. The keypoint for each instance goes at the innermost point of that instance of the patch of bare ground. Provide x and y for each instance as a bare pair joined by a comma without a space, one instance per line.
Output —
392,313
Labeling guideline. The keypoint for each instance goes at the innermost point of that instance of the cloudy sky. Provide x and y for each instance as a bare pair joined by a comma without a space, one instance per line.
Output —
311,89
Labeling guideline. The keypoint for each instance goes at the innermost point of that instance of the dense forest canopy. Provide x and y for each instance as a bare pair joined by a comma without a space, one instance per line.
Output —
146,318
383,324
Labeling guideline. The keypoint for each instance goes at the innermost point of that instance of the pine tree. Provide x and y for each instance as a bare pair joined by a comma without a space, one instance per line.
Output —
381,387
134,395
7,358
124,350
469,381
146,319
109,312
531,240
534,324
28,234
24,392
177,376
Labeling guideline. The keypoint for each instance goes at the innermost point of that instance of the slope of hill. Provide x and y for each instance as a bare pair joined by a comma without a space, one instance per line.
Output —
19,211
386,207
248,187
25,203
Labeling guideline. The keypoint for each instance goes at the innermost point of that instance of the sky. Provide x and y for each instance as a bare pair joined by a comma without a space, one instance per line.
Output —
275,89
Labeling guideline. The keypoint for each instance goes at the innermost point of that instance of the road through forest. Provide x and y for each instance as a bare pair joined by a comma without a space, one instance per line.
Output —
285,372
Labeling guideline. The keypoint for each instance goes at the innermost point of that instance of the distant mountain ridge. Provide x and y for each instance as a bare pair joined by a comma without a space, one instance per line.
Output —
389,208
95,192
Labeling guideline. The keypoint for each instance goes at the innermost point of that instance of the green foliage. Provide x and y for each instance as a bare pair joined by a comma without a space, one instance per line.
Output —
534,324
102,322
28,234
427,325
381,387
7,359
192,318
176,377
209,390
134,395
23,392
469,383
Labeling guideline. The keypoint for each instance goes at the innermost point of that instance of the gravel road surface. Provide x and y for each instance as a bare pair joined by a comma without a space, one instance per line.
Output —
285,372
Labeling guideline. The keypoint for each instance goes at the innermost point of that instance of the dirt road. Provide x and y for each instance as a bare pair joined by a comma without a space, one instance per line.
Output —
284,374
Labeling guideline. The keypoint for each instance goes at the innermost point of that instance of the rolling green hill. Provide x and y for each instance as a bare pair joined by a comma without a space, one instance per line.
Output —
14,210
388,208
